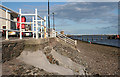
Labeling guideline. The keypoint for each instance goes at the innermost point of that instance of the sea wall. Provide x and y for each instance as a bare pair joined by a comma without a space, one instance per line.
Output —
12,49
50,55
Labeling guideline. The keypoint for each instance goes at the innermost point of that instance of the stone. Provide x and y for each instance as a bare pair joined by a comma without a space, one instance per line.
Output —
57,62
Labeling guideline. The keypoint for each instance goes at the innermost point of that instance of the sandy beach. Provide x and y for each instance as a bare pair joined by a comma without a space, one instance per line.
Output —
99,59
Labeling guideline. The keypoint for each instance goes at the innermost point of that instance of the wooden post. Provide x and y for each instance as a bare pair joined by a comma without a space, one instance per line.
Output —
76,42
82,37
101,37
92,37
87,37
96,37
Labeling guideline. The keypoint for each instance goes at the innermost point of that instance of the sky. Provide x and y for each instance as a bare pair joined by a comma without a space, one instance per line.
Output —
75,17
60,0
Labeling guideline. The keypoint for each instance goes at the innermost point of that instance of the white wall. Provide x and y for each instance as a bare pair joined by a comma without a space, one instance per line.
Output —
2,21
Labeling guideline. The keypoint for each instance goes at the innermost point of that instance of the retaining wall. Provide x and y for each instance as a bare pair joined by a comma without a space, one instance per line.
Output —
12,49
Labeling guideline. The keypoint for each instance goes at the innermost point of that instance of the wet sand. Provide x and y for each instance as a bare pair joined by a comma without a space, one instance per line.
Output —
99,59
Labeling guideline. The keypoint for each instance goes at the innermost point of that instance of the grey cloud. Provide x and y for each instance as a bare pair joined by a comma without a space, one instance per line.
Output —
108,27
90,31
86,10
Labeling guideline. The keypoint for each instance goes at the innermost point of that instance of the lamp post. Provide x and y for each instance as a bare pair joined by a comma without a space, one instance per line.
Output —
53,21
48,20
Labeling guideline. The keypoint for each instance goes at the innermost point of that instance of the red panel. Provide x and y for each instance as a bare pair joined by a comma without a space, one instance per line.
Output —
18,24
23,19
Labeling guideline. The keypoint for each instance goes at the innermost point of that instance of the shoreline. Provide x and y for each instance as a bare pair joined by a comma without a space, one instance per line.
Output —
97,43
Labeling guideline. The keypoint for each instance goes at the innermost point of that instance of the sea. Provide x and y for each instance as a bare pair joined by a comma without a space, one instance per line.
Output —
98,40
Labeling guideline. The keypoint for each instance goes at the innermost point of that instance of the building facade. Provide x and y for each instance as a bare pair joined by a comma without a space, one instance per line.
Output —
11,16
2,21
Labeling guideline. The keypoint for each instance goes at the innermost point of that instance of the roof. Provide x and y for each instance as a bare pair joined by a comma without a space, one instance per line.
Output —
13,13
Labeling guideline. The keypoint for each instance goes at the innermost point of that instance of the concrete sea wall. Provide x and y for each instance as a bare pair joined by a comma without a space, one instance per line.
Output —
51,55
12,49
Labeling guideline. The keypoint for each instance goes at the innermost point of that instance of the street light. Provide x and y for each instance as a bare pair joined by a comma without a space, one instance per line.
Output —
48,20
53,21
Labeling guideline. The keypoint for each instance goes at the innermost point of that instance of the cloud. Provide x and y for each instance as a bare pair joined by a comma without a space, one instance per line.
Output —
79,11
30,9
101,17
109,27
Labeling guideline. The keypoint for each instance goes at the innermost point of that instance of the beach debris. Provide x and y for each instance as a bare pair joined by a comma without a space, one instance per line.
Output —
47,52
16,67
90,42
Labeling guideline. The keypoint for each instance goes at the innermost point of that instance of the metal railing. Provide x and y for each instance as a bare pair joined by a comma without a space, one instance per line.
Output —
34,23
65,39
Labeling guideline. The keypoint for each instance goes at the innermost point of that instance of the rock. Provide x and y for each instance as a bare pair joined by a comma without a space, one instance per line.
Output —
41,70
57,62
48,49
28,71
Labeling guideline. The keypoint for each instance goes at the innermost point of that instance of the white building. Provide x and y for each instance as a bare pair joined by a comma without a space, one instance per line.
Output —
11,15
2,21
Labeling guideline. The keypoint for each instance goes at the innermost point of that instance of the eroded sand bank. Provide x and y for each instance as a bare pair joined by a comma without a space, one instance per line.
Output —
38,59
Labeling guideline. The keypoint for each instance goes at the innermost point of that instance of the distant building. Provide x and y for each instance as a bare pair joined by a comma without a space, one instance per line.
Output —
52,33
62,32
